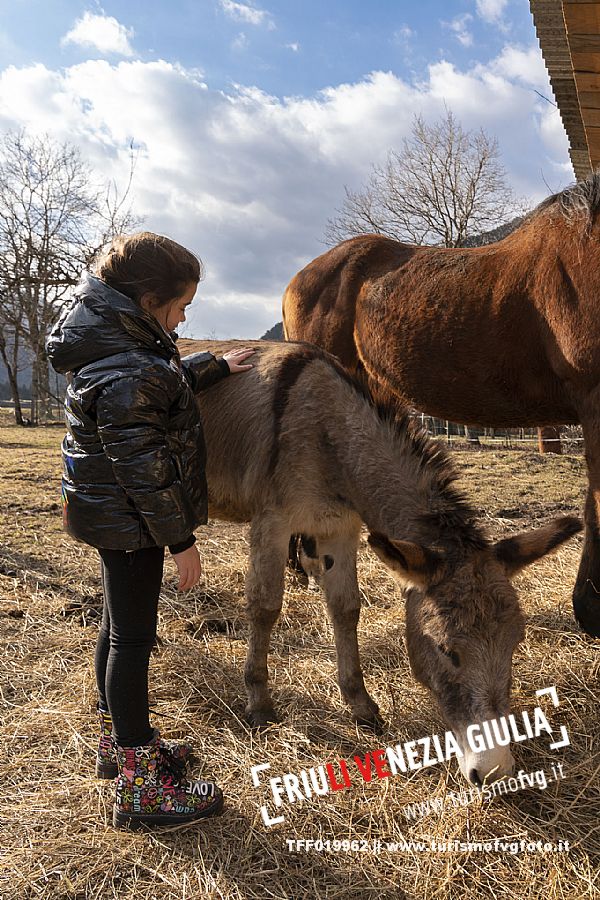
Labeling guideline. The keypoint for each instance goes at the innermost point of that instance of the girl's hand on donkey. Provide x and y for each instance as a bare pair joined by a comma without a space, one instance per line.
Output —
189,568
235,357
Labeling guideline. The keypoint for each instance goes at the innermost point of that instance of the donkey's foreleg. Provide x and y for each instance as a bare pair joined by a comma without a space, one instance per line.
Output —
586,594
269,541
340,584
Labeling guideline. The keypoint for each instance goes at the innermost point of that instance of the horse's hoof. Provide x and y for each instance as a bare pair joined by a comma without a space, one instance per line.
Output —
373,723
586,605
589,624
262,718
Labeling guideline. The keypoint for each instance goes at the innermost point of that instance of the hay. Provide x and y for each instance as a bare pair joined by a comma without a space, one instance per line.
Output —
56,838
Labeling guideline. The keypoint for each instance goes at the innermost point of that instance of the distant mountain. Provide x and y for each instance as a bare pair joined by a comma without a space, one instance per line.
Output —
24,392
274,334
496,234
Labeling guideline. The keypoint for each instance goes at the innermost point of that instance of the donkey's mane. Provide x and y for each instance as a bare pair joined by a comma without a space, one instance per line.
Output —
453,511
579,199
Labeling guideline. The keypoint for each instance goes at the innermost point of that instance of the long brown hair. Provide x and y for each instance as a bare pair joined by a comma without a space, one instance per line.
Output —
147,263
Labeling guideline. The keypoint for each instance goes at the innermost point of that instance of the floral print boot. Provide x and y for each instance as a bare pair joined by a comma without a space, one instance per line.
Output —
151,791
180,754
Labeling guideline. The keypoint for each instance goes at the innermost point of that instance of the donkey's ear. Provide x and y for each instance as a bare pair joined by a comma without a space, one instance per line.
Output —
411,563
517,552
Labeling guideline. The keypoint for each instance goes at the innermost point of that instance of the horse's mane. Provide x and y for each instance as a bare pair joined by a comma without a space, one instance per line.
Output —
581,199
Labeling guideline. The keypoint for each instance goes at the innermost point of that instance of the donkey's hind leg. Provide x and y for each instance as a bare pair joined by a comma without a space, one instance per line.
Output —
340,584
269,540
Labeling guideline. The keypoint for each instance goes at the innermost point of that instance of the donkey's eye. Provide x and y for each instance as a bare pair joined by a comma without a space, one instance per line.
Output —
452,655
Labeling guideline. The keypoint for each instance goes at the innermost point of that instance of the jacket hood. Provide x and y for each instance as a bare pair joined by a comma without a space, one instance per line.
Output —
101,322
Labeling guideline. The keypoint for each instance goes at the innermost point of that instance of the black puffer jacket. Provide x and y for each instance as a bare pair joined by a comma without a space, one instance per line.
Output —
134,456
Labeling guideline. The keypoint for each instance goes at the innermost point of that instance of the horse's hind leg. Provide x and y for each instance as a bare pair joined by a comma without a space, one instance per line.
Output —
269,539
586,594
340,584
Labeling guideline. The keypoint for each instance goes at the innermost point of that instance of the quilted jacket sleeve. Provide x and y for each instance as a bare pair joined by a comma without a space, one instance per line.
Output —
132,415
202,370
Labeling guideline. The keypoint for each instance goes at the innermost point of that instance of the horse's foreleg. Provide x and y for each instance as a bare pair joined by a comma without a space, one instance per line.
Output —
343,602
269,541
586,594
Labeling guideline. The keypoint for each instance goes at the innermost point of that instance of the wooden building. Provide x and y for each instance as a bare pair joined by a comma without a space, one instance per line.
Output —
569,36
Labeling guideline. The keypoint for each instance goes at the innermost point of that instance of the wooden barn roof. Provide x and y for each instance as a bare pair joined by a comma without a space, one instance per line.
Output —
569,36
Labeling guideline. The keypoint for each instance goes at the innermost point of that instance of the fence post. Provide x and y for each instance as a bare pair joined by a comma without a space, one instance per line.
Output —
549,439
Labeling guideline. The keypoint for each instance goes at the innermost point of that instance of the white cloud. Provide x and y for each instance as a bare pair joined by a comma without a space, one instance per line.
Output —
248,180
403,35
104,33
242,12
460,27
240,42
491,10
295,46
523,64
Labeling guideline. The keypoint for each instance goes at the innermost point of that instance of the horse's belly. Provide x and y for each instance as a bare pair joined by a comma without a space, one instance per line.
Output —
482,404
473,385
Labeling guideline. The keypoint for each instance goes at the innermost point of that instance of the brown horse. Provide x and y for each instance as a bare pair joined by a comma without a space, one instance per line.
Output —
502,335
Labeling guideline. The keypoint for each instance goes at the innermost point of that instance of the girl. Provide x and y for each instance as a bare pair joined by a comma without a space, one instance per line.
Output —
133,483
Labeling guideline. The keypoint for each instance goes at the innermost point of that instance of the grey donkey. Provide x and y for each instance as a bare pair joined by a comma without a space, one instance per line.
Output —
297,446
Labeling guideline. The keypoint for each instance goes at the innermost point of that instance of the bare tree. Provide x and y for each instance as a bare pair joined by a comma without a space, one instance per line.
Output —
9,352
442,186
54,216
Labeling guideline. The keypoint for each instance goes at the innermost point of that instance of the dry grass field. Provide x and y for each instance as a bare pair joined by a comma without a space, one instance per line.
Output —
56,840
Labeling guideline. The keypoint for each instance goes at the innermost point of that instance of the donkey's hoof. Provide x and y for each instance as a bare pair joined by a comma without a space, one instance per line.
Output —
262,718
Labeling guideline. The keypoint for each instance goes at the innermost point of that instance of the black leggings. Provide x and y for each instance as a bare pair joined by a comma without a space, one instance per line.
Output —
131,586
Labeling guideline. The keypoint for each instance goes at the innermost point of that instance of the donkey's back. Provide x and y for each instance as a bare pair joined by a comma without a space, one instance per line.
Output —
266,435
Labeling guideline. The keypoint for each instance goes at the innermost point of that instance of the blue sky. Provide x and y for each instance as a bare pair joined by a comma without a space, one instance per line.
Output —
251,117
295,48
